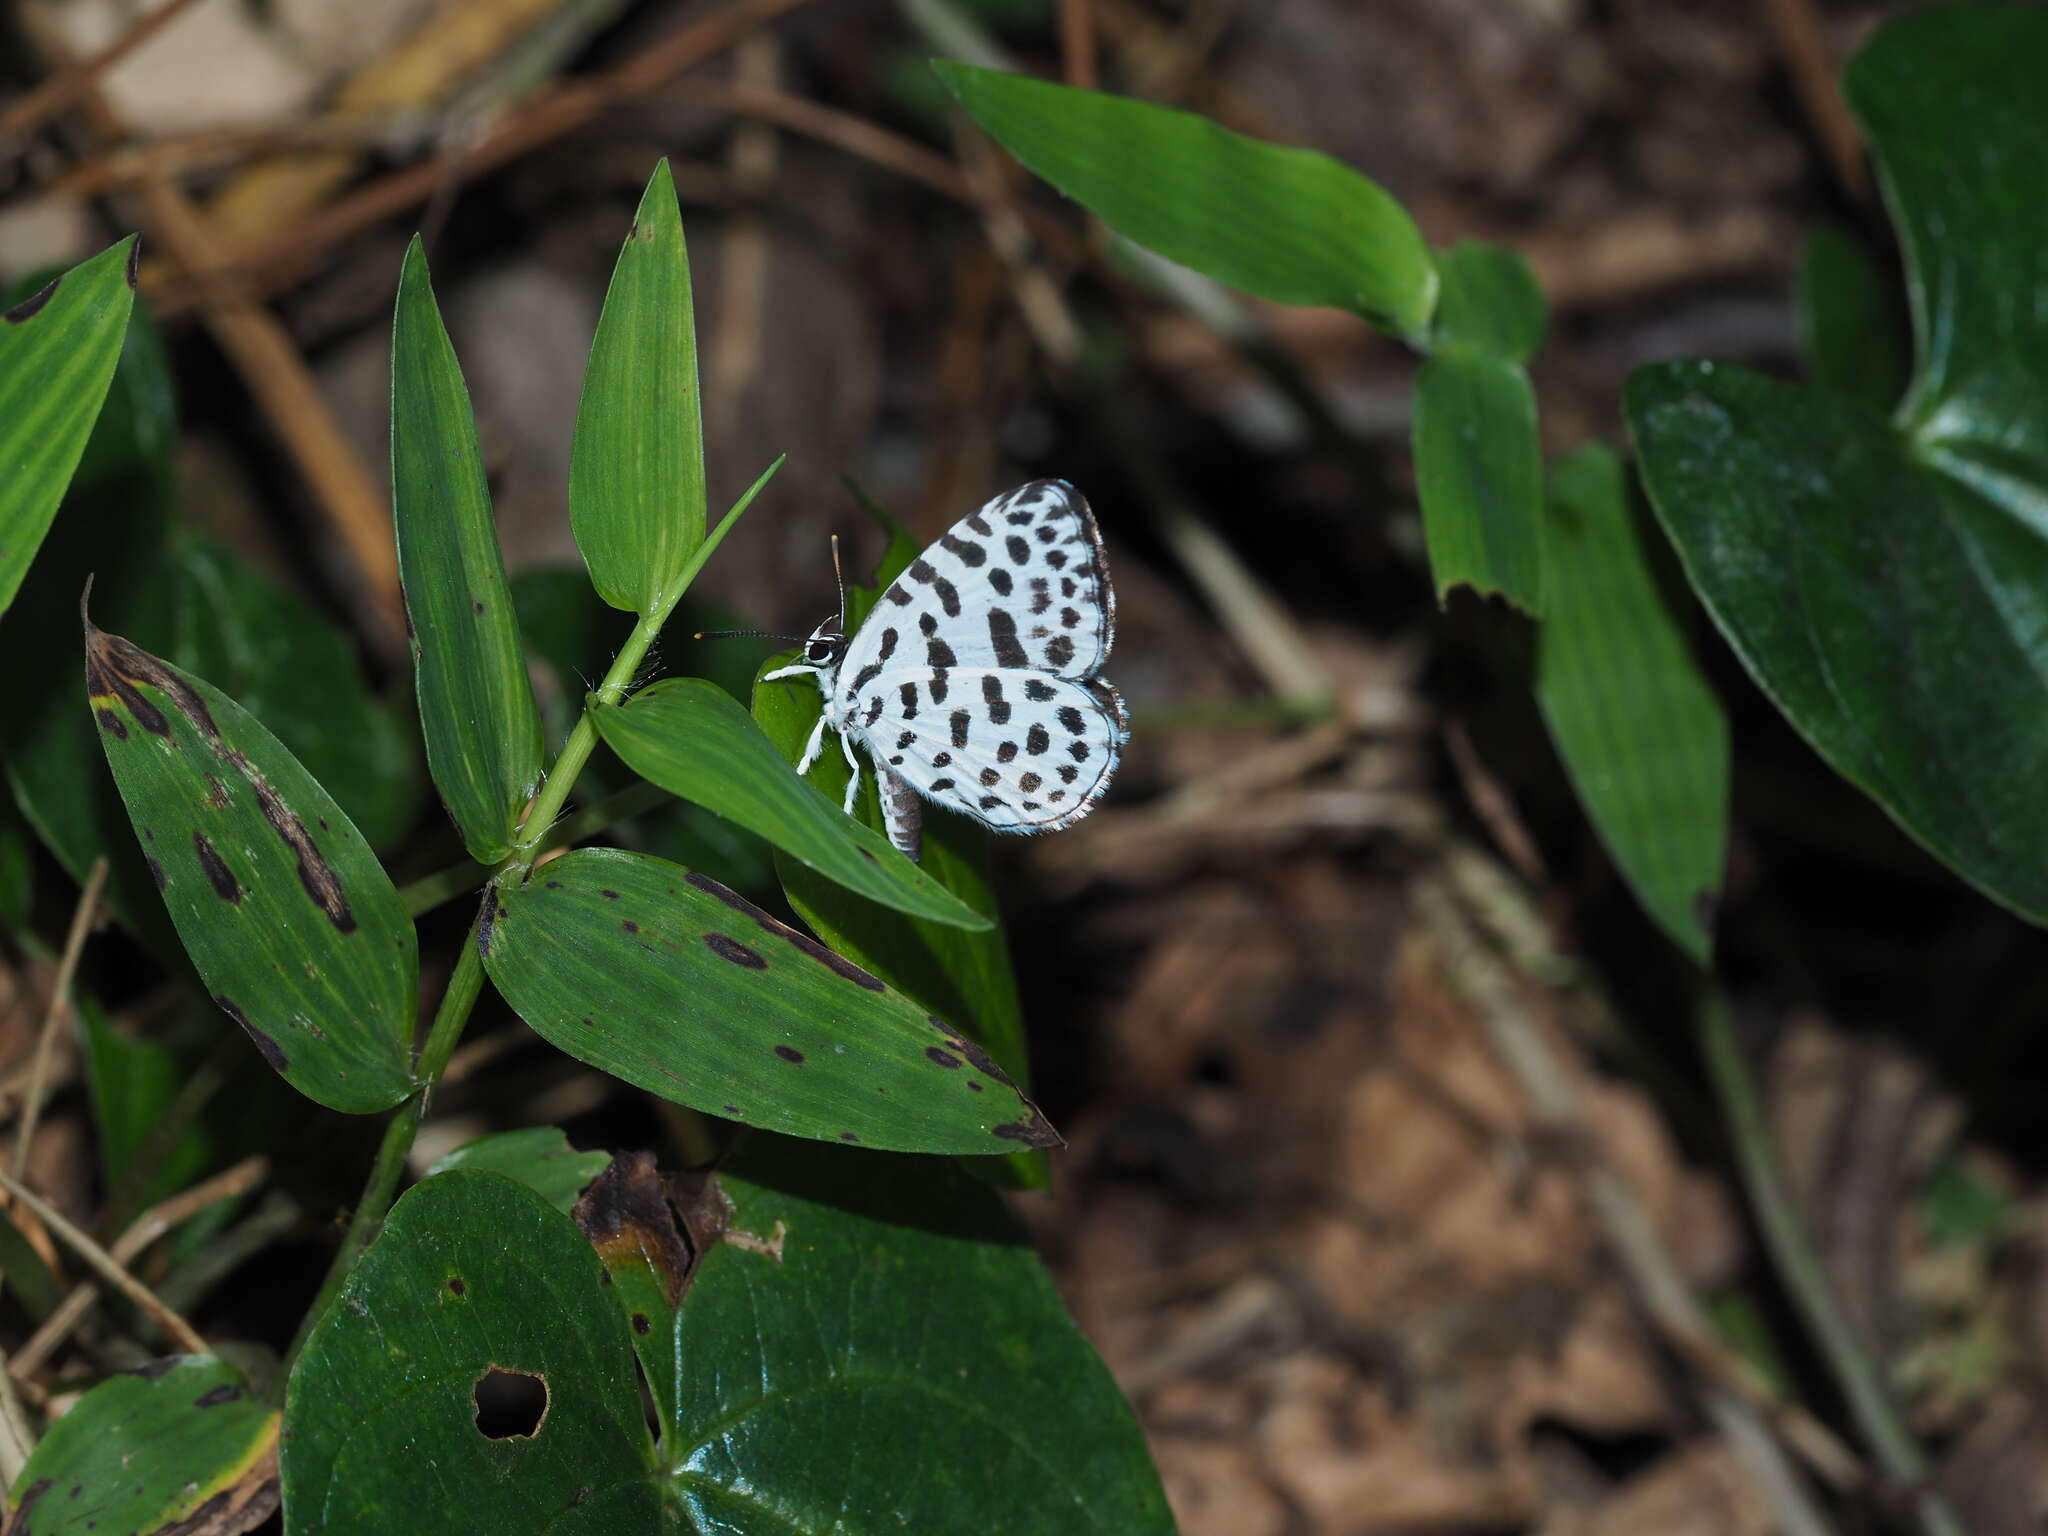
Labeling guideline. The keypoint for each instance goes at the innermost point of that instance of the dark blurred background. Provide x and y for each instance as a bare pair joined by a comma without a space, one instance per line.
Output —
1342,1269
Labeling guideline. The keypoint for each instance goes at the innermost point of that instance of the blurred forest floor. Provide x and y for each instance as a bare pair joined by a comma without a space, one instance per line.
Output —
1350,1278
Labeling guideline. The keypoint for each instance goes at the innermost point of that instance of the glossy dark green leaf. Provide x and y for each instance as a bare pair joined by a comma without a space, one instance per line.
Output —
539,1157
293,925
293,669
1479,475
1852,321
896,1359
691,738
636,471
482,730
1882,579
181,1445
1642,736
1286,224
474,1279
1488,299
671,982
58,350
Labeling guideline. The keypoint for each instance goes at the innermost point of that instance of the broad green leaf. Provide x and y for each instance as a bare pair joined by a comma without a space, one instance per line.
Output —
482,729
669,981
636,470
1884,580
1286,224
1479,475
539,1157
1852,323
293,925
896,1359
474,1279
692,739
1488,299
58,349
1642,736
293,669
181,1444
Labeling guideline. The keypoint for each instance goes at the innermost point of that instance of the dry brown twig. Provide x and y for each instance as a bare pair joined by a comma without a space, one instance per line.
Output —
1077,43
55,1011
77,79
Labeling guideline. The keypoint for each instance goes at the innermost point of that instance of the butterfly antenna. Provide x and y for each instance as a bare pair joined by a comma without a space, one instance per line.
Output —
839,577
741,634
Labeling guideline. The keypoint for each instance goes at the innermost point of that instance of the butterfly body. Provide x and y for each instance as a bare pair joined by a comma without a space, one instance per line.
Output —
973,682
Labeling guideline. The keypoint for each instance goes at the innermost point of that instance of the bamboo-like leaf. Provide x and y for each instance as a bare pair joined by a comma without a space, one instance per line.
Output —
292,923
1479,475
636,469
1489,299
58,349
671,982
688,736
476,704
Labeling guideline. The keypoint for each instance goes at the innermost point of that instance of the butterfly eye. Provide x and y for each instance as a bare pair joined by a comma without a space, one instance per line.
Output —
819,651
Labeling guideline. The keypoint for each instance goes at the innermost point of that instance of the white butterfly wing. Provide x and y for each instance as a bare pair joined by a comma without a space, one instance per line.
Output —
1020,584
1014,749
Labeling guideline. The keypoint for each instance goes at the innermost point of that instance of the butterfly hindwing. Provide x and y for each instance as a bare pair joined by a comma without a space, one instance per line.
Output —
1020,584
1014,749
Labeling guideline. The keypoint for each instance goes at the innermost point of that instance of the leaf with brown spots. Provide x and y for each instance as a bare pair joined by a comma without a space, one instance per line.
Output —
57,354
285,911
713,1003
180,1448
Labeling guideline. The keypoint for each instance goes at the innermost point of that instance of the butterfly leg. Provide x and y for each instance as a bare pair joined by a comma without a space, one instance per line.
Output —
853,782
812,747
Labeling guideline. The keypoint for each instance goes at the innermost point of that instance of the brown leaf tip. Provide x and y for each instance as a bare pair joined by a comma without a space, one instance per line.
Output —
29,307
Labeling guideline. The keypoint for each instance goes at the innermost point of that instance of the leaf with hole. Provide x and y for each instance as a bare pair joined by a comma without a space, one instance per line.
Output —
636,469
473,1348
58,351
293,925
891,1354
181,1444
1286,224
671,982
539,1157
1640,732
692,739
1883,579
476,705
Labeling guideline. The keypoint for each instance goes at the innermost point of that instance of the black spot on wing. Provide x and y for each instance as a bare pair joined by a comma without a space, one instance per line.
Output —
1036,691
908,693
959,721
1002,634
939,654
992,695
1036,740
966,551
1000,580
1071,718
1041,595
1059,650
1019,548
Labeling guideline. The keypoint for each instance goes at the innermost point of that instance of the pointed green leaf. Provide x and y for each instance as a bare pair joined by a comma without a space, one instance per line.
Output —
1479,475
1286,224
1489,300
539,1157
482,729
1884,580
293,925
58,349
897,1358
689,737
669,981
181,1444
1642,736
472,1275
636,471
1852,324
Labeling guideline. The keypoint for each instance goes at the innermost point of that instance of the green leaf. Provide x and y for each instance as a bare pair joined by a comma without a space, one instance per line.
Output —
294,670
898,1359
472,1275
1884,580
482,729
58,350
292,923
1642,736
1479,475
1286,224
1488,299
669,981
1852,326
636,470
539,1157
692,739
182,1440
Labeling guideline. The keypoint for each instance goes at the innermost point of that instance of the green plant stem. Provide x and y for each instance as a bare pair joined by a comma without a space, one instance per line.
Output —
382,1185
1799,1266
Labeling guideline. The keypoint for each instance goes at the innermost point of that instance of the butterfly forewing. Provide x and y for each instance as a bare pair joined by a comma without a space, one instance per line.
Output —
1020,584
1017,750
